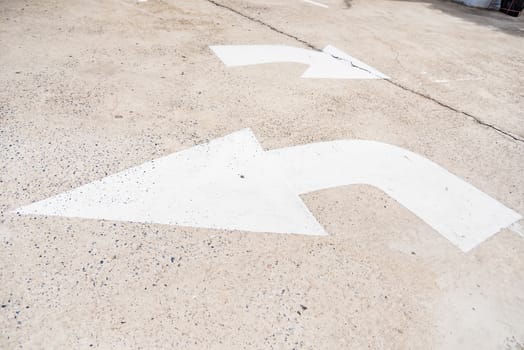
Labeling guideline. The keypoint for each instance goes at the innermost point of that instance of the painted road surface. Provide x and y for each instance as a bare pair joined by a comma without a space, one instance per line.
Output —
316,3
162,166
232,184
330,63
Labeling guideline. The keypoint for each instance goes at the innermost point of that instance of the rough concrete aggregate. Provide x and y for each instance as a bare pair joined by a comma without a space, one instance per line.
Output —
91,88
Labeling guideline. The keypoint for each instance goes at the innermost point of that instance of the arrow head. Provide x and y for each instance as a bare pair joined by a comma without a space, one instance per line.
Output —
227,183
333,63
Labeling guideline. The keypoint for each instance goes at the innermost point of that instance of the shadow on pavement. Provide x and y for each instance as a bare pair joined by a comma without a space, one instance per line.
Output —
491,18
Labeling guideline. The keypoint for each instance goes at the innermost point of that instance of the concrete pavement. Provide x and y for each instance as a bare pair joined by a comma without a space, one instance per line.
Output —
92,88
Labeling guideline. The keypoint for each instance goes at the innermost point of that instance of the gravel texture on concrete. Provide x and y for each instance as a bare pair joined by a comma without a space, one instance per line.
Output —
90,88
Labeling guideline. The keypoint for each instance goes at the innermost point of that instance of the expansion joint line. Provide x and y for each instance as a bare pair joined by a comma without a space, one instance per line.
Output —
477,120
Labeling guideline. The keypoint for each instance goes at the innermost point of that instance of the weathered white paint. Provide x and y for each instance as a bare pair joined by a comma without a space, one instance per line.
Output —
231,183
445,81
224,184
331,63
316,3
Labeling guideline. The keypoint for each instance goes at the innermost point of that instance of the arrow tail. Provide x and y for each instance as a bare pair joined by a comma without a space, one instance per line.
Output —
330,63
454,208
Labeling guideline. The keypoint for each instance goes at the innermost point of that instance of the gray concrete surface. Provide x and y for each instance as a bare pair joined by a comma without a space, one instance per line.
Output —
89,88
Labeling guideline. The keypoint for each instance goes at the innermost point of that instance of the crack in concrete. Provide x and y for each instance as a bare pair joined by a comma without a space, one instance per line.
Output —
311,46
468,115
351,63
477,120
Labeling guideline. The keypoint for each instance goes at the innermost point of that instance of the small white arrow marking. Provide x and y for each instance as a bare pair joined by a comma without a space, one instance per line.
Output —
232,183
316,3
331,63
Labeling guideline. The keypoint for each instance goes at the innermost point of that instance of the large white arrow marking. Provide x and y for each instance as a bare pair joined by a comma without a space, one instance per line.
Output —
232,183
330,63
